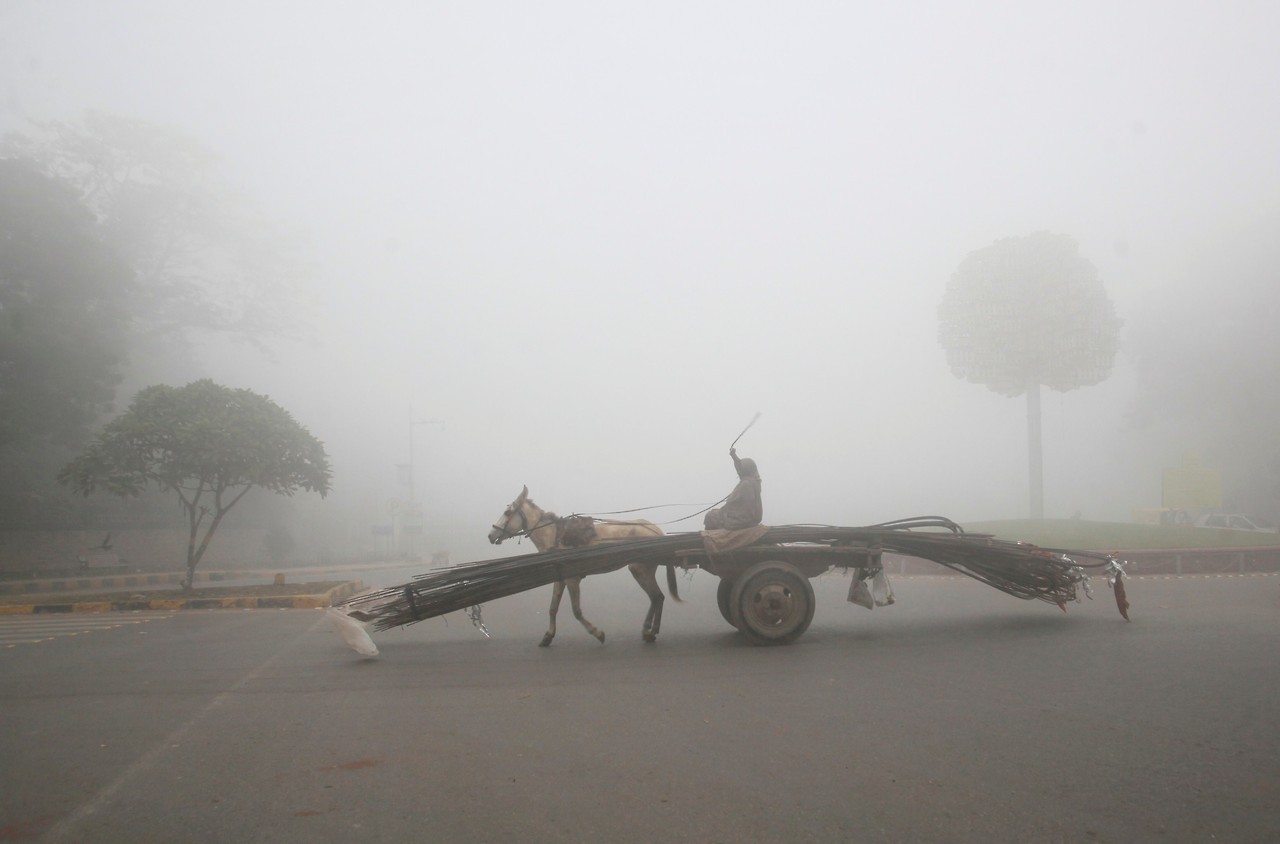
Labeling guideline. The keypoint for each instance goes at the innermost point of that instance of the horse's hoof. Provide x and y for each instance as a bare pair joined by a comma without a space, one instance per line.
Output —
546,640
600,636
650,637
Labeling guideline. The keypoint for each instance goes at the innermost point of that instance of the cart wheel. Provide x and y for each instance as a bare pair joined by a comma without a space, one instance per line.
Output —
772,603
723,593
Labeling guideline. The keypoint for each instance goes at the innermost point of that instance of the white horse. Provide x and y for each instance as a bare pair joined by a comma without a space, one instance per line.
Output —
548,532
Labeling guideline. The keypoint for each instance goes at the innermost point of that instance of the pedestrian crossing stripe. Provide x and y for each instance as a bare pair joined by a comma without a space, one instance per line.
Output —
32,629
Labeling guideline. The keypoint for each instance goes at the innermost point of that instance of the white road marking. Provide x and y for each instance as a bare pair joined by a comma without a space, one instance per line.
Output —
30,629
70,827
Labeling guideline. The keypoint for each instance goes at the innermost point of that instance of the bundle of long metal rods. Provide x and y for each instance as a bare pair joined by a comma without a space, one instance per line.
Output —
458,587
1016,568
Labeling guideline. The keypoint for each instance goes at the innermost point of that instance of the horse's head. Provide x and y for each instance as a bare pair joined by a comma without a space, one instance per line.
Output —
513,521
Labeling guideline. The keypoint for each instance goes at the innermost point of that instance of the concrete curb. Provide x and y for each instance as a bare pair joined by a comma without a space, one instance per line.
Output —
294,602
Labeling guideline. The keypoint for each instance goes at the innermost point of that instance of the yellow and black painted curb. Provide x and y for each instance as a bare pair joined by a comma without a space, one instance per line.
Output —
112,581
296,602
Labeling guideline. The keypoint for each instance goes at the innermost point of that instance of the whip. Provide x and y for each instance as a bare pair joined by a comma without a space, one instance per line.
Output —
753,421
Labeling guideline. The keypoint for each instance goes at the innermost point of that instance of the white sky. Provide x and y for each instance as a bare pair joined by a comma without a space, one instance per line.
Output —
595,239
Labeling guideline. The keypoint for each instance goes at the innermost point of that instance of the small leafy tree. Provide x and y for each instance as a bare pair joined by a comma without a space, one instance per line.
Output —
1025,312
207,443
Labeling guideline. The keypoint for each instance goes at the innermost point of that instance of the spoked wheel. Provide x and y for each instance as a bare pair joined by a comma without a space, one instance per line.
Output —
723,593
772,603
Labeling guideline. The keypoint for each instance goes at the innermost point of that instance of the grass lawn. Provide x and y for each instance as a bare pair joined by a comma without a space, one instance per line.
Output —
1119,536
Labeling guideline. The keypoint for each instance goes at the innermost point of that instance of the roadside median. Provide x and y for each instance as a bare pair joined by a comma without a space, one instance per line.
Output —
268,596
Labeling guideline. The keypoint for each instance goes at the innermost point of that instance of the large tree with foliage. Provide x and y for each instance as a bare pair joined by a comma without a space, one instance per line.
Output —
1205,350
209,445
1027,312
204,260
63,336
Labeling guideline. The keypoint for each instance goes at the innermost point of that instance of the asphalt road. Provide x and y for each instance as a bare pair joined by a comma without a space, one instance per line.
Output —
958,714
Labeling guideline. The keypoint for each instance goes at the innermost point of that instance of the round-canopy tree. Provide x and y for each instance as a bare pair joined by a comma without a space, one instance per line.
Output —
207,443
1025,312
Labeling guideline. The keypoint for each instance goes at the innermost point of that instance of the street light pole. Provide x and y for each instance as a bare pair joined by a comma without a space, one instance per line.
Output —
410,514
413,424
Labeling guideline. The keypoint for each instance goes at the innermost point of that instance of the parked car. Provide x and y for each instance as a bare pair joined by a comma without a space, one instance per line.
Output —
1235,521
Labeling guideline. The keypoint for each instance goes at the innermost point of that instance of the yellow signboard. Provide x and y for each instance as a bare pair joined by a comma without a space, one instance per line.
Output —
1191,486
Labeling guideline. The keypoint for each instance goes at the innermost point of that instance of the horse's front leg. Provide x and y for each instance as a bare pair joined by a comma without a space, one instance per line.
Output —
557,592
575,600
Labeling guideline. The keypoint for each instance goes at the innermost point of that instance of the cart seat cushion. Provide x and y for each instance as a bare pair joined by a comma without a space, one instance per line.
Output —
723,541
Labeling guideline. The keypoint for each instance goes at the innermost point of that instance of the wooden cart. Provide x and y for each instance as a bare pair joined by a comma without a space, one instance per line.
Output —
764,590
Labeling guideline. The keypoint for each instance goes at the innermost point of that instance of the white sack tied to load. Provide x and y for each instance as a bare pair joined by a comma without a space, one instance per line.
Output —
878,594
352,632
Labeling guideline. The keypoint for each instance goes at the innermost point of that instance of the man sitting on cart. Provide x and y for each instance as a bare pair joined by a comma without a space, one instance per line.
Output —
743,508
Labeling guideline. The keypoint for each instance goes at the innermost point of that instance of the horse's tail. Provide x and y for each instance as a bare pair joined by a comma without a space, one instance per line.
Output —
671,584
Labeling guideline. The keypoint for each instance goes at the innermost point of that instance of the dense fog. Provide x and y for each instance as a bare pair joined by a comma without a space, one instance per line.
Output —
579,246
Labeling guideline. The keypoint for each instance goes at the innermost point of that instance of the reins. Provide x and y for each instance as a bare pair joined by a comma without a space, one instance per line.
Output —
659,507
526,529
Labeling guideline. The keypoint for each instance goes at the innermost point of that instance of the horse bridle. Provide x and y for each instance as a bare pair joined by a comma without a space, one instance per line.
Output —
525,530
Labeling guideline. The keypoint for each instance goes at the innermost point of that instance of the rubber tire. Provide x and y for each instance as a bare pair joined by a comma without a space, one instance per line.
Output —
723,593
772,603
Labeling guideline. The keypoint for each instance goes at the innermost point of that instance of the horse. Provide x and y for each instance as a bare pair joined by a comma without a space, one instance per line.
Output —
549,532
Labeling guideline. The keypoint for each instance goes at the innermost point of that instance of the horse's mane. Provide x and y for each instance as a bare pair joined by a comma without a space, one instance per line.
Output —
546,514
